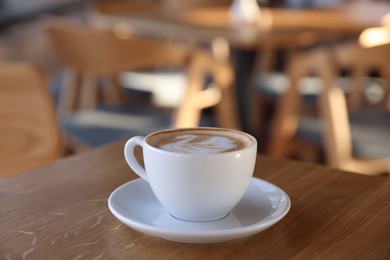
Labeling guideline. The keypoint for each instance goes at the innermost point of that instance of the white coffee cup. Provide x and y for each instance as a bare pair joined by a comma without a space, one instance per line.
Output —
197,174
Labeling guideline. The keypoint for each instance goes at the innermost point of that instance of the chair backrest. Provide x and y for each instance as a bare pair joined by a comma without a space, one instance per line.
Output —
89,50
29,132
326,63
361,62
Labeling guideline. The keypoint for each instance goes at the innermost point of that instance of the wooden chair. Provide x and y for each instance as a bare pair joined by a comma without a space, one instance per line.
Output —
349,141
29,132
90,54
270,79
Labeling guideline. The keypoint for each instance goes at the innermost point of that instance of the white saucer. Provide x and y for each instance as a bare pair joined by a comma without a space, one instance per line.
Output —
262,206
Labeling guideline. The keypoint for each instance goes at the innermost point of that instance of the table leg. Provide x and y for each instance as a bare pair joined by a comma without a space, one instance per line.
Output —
244,63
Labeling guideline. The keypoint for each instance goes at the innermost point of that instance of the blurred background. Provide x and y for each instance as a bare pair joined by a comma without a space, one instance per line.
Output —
308,78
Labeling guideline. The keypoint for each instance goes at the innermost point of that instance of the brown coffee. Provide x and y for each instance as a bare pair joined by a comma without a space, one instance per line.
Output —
200,141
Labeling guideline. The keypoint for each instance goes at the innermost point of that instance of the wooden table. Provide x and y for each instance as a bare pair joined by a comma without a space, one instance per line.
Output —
205,24
60,212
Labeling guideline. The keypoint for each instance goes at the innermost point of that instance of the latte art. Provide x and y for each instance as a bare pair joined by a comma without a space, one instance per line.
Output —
200,144
199,141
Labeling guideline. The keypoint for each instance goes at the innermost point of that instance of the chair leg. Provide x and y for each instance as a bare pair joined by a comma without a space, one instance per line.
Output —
187,115
89,93
386,75
286,122
112,92
305,151
69,93
227,111
73,146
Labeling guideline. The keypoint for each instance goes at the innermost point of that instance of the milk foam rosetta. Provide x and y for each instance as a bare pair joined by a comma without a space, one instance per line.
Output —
198,142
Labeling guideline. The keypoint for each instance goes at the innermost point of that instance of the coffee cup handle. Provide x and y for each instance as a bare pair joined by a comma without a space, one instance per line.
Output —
130,156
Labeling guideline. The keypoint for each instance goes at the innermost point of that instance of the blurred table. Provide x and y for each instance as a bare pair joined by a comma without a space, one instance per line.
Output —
14,11
205,24
60,212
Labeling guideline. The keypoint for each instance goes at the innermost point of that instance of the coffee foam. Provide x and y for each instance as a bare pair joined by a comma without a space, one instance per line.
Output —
200,141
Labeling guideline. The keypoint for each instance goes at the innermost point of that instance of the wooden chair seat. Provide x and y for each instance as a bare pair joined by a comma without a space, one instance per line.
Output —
273,85
166,87
370,131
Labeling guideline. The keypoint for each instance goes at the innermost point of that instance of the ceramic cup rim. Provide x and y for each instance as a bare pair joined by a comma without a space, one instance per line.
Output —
253,141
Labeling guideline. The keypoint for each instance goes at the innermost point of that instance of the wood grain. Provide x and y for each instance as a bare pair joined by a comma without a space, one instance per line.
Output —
60,211
29,133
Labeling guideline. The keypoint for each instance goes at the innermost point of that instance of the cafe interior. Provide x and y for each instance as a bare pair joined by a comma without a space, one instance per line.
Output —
309,79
